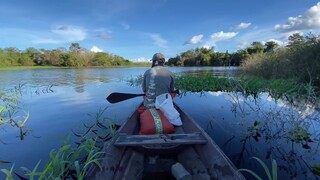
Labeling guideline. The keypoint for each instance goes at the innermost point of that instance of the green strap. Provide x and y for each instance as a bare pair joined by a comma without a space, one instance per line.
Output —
157,120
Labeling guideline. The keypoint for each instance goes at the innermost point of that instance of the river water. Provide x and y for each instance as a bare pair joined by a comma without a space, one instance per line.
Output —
60,101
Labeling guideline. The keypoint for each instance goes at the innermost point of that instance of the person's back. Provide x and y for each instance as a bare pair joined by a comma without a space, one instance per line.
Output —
157,80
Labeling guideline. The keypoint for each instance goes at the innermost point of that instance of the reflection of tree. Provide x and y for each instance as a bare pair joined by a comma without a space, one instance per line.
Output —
44,79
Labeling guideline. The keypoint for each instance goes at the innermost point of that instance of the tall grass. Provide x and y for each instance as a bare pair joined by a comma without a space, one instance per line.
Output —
11,112
300,62
69,162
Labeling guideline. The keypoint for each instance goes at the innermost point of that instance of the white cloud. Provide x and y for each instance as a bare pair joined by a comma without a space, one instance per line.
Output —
243,25
141,59
263,35
69,33
195,39
281,43
246,44
158,40
96,49
310,20
218,93
103,34
243,45
219,36
207,46
125,25
63,34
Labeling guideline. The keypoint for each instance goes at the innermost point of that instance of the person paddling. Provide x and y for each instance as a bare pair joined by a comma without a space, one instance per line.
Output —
157,80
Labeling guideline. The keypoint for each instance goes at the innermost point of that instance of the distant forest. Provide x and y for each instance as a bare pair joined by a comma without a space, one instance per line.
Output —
208,57
76,56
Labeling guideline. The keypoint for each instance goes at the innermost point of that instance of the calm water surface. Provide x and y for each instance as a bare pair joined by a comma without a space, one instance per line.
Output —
61,100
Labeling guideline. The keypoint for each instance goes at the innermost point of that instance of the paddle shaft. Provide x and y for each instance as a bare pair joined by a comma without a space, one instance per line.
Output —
118,97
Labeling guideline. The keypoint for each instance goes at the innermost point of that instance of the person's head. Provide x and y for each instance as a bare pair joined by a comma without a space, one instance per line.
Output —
158,59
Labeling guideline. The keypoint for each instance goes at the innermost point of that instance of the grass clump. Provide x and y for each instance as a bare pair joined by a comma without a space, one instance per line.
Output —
272,175
299,60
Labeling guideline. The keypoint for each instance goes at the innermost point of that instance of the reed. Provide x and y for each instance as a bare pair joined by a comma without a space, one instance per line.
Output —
73,161
299,61
11,112
272,175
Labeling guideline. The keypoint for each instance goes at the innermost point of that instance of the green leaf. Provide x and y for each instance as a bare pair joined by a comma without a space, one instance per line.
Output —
252,173
274,170
316,169
8,173
1,109
266,170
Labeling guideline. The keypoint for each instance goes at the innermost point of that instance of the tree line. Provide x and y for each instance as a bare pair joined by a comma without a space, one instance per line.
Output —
208,57
76,56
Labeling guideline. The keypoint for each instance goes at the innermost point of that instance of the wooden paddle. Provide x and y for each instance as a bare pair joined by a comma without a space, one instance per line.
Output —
118,97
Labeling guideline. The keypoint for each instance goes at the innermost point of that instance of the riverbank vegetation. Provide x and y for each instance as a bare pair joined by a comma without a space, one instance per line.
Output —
76,56
300,60
71,160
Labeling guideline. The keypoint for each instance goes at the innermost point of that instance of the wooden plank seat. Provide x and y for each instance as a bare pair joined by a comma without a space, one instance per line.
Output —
162,139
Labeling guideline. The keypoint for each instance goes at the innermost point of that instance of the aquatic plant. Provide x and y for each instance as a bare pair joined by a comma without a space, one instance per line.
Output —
8,173
73,162
67,161
10,110
316,169
273,175
288,89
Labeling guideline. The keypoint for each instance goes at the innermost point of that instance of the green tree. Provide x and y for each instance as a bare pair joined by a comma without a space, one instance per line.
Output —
176,61
204,56
65,59
296,39
2,58
75,47
12,55
256,47
239,57
25,59
188,58
270,46
101,59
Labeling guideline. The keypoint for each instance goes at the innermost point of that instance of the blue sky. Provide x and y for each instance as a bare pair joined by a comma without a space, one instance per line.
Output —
136,29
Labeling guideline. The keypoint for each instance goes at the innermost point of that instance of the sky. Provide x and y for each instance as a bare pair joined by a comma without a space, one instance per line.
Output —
136,29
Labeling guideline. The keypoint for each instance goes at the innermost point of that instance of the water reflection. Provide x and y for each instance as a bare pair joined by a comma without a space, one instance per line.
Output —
215,71
59,100
259,127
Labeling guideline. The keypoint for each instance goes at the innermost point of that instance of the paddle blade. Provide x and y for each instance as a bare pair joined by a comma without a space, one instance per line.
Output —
118,97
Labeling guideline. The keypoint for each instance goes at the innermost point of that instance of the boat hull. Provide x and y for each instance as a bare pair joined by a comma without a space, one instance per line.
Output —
132,156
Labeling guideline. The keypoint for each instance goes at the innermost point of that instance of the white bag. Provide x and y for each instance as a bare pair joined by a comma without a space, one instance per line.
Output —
165,104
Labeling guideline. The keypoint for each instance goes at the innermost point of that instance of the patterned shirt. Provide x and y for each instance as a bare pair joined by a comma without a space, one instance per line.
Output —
157,80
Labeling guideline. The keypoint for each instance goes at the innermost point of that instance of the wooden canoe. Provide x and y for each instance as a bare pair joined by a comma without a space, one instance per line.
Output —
129,156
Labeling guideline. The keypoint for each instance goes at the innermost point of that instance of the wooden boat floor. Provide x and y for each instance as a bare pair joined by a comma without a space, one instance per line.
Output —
161,139
142,159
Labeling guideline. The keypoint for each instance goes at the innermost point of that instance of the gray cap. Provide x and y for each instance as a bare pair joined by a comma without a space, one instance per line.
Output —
158,59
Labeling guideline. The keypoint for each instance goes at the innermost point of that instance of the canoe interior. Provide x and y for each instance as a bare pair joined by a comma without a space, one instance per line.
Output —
131,156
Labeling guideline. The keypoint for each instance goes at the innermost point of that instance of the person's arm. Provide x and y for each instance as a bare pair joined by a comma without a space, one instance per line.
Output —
172,84
144,89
